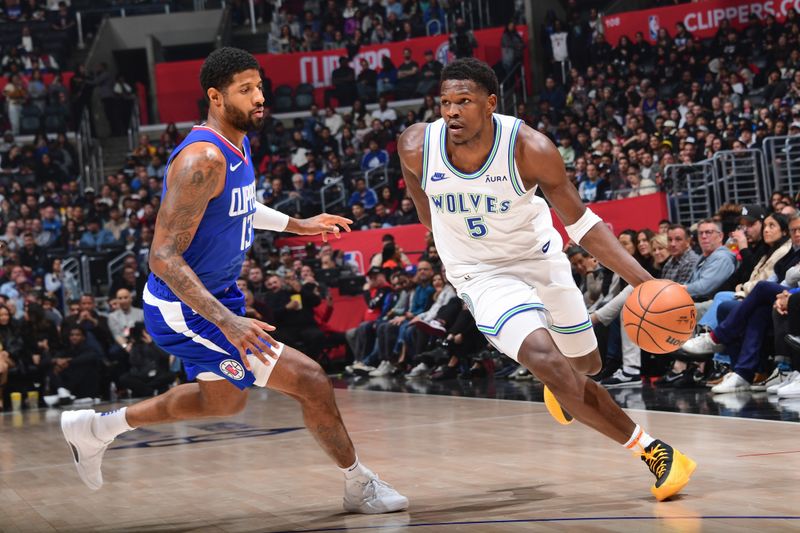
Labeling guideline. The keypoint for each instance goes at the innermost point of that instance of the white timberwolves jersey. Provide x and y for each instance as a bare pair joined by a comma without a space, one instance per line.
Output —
486,219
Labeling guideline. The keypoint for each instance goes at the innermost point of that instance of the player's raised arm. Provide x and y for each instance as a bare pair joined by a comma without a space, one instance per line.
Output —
540,163
196,176
409,147
269,219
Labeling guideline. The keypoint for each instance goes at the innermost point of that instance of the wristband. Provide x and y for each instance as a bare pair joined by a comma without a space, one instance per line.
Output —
269,219
581,227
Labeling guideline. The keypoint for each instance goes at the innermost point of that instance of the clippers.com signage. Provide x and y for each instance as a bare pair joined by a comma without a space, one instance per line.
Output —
178,88
702,19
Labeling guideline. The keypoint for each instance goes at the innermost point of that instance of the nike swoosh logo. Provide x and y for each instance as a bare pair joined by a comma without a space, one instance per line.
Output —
438,178
546,247
237,165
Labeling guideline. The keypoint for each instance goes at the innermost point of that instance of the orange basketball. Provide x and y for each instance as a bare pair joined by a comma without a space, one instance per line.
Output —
659,316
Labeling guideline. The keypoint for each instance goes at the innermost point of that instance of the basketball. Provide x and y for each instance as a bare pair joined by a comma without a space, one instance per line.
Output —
659,316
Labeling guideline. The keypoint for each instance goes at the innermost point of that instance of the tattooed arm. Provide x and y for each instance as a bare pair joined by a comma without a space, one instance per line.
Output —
196,176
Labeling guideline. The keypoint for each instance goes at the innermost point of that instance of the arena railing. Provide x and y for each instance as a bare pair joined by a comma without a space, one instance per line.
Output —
333,194
697,190
782,160
741,177
134,125
691,191
513,90
90,154
377,177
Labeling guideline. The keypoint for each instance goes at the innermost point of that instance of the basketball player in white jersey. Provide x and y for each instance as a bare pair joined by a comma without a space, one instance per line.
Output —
473,175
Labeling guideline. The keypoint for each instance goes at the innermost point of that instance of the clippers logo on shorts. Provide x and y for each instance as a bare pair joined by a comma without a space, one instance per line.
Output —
232,369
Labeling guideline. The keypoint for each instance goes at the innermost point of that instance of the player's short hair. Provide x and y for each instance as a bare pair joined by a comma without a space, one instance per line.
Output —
472,69
222,65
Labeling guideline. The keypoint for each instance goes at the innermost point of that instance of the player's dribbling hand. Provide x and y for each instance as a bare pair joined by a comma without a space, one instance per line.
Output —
250,334
326,223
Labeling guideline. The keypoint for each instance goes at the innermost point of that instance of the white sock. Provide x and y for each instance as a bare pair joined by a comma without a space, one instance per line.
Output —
106,426
639,436
356,470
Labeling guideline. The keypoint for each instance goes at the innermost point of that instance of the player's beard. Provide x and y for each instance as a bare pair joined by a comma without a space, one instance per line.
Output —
241,120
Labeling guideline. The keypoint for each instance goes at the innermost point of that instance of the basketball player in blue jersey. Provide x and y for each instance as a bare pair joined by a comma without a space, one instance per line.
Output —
193,308
473,175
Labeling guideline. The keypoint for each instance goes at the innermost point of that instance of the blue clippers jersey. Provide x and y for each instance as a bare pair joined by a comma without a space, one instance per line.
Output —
225,233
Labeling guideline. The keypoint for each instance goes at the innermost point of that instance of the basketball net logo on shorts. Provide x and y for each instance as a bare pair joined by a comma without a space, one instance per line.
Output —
231,368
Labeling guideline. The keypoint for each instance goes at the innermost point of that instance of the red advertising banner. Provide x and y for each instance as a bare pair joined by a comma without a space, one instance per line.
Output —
178,87
702,19
631,213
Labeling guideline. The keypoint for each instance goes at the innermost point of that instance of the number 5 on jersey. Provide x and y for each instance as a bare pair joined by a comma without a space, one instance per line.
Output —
476,227
247,232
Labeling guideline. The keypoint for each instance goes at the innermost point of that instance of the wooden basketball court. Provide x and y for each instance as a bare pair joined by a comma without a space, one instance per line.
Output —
466,464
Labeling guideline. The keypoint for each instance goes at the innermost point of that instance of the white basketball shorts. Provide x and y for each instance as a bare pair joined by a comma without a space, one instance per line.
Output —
512,301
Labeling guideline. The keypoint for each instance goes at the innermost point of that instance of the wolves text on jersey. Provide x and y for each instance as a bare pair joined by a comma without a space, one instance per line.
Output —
469,203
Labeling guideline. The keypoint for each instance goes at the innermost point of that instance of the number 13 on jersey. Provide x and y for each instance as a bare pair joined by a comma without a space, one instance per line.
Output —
247,232
476,227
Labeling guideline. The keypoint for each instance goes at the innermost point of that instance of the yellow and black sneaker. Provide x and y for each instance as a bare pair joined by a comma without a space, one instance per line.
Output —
555,409
671,468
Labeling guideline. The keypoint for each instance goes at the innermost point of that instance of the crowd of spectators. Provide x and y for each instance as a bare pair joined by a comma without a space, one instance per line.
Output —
620,114
617,128
332,24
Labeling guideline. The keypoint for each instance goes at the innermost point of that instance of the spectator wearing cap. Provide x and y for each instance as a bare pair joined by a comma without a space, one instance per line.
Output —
749,241
430,72
95,237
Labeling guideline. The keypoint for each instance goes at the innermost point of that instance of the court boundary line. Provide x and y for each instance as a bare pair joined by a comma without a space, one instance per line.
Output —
548,520
634,409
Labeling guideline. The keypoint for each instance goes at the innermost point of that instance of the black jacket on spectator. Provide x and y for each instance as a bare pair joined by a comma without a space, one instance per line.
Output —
750,258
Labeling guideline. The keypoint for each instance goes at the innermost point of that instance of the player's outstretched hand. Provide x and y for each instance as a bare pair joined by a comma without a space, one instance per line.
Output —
250,334
324,224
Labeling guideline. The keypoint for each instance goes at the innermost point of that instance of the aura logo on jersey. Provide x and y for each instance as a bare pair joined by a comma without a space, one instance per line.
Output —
469,203
495,179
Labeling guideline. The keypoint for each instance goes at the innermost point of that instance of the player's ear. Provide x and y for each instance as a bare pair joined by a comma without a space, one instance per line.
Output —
214,96
491,103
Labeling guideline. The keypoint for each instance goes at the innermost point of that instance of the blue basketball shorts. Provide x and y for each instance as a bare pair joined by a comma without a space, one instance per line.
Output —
206,353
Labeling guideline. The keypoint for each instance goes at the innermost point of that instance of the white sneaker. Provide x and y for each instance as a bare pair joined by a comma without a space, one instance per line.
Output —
701,345
523,374
87,450
776,378
372,496
385,369
790,389
419,371
732,382
787,378
358,365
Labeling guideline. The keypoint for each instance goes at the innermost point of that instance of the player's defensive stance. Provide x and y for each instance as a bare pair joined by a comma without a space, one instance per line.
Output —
193,308
473,176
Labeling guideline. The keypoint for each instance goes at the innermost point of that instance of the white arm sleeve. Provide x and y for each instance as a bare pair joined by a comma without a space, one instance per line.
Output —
582,226
269,219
